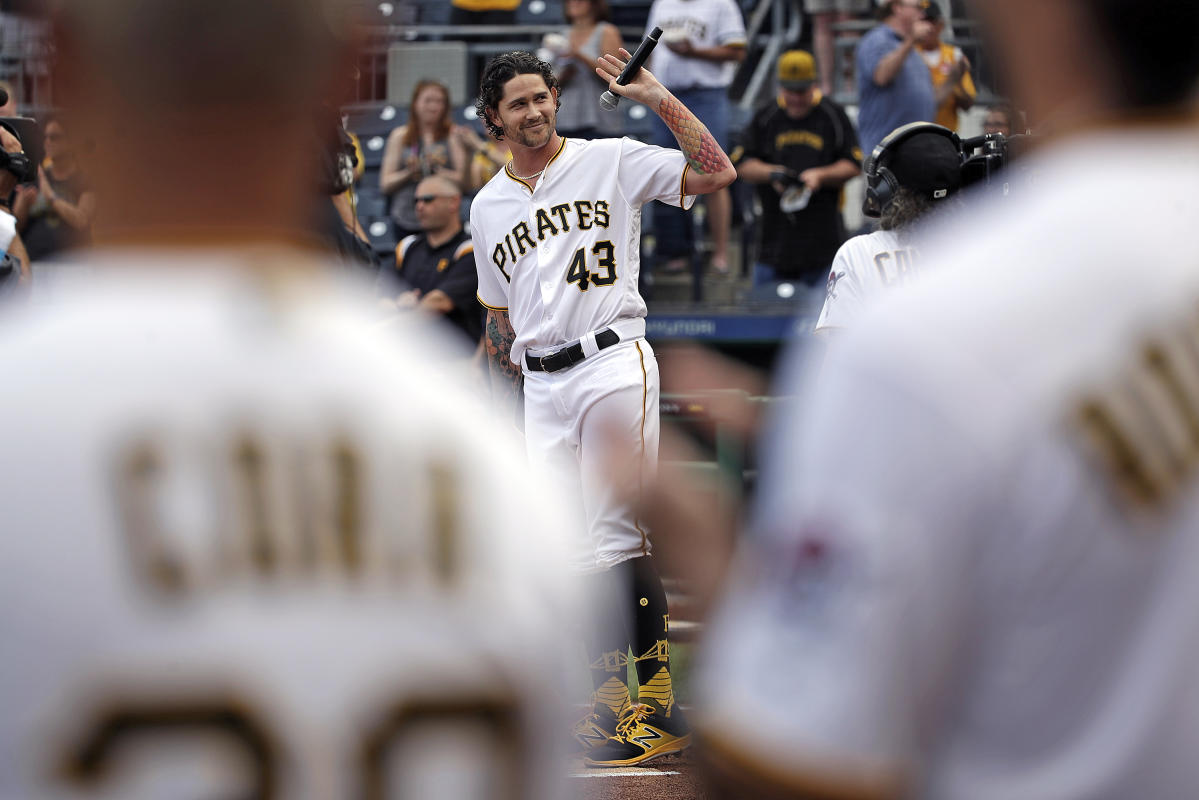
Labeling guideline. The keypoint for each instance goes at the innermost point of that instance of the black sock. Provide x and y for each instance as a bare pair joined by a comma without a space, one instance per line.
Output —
608,643
651,647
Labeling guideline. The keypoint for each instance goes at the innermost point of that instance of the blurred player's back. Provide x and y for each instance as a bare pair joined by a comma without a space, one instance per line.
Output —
980,536
251,546
229,506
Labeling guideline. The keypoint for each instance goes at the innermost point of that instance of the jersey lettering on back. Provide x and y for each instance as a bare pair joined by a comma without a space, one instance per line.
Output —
1142,425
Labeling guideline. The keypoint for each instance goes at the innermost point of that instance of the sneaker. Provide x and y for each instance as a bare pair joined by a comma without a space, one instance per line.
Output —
642,735
594,729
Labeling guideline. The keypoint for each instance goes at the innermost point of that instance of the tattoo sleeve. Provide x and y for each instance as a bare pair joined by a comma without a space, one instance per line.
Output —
697,143
507,380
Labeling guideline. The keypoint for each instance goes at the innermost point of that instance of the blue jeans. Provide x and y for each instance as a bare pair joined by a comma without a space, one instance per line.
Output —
672,226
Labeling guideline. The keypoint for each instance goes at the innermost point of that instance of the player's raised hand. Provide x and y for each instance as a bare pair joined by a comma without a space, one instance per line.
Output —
644,88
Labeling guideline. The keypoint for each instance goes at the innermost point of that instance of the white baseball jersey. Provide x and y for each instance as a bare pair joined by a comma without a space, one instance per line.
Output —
707,23
563,258
864,267
251,548
976,561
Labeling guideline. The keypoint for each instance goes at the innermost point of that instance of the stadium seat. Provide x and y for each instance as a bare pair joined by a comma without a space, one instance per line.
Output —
377,119
540,12
372,150
630,13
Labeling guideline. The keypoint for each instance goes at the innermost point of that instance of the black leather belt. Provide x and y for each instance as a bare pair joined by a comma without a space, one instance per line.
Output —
569,356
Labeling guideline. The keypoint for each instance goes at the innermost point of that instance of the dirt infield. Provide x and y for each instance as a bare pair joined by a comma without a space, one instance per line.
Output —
671,777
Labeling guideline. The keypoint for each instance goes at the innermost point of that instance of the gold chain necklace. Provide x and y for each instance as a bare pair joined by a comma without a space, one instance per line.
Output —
536,174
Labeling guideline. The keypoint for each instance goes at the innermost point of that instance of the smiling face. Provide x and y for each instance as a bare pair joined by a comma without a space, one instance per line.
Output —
527,112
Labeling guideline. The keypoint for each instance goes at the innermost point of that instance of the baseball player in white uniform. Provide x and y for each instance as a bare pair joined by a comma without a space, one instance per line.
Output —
556,236
975,568
911,173
251,548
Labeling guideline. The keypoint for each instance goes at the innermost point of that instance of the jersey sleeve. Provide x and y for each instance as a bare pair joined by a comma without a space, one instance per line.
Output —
648,172
848,610
730,25
493,284
843,292
967,83
460,281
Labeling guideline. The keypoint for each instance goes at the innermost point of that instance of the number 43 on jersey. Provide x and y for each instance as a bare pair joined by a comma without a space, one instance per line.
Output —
604,261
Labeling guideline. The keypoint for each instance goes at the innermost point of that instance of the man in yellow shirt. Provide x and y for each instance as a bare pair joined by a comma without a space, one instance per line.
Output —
953,88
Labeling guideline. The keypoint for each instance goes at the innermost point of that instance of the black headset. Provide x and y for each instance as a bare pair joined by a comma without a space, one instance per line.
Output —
881,183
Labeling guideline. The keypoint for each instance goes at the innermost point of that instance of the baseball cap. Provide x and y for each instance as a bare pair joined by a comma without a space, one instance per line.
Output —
932,11
797,70
928,164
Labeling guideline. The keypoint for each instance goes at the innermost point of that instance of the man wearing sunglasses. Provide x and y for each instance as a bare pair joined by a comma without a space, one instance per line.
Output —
435,269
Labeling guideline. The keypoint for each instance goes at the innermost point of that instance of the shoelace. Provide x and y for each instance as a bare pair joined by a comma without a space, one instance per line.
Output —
636,714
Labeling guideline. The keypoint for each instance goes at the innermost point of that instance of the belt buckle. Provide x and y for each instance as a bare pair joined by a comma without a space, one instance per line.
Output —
541,361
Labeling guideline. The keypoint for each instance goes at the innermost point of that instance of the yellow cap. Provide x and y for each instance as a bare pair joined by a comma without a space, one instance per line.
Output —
797,70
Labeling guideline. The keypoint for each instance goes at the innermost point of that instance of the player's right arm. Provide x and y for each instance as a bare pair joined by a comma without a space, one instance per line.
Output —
507,380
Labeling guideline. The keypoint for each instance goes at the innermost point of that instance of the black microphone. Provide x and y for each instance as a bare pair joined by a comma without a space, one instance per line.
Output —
608,100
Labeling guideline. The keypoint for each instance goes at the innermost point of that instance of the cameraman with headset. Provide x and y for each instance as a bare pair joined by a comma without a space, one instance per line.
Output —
912,173
14,260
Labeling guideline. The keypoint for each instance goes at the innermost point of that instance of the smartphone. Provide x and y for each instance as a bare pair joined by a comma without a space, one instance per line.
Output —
32,140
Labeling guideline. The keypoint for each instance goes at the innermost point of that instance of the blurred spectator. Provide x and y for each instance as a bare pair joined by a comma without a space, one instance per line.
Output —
421,148
1003,118
434,270
591,34
894,85
824,14
483,12
57,213
9,109
490,156
800,149
701,41
953,88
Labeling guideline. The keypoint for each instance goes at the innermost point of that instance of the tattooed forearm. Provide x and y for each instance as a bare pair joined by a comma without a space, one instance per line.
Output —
506,377
698,145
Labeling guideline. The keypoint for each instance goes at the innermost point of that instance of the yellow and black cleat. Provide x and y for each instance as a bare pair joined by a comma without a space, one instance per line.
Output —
643,734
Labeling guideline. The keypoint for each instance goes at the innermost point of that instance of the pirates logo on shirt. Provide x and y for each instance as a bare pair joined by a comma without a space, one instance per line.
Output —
442,264
831,286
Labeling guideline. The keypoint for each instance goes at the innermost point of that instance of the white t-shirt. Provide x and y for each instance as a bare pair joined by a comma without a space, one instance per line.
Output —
863,267
563,259
707,23
245,534
975,566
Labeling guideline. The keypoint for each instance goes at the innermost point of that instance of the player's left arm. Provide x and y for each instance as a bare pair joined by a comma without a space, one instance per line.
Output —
709,166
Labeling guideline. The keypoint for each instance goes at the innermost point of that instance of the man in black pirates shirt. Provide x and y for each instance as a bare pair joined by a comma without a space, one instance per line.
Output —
800,150
435,269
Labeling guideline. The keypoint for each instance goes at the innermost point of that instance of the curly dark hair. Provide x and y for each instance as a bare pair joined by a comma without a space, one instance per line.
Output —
907,207
499,71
